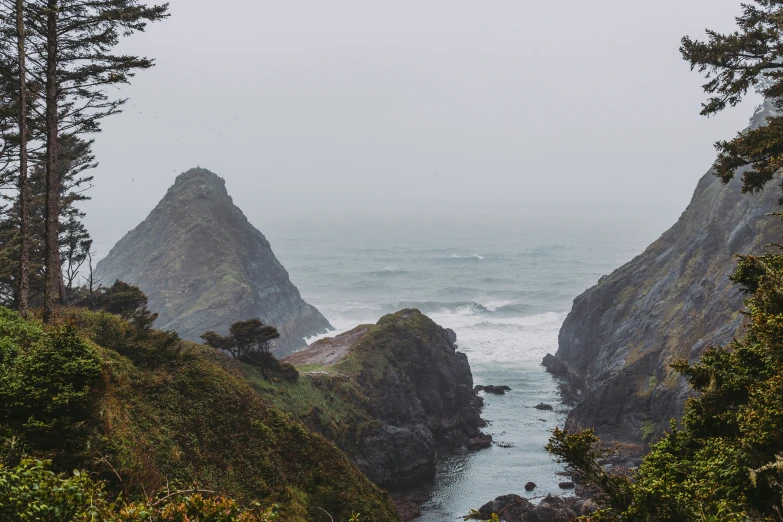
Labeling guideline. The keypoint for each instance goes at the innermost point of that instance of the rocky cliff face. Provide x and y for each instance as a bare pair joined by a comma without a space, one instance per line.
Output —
204,266
671,302
391,395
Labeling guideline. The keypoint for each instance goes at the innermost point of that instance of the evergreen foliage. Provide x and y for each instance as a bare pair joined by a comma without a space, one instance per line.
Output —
733,63
250,342
724,462
75,240
143,411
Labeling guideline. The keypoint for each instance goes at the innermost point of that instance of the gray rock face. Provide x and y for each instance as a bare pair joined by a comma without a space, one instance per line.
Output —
204,266
672,302
414,385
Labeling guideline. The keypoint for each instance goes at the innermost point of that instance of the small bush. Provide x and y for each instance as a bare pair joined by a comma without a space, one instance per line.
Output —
46,378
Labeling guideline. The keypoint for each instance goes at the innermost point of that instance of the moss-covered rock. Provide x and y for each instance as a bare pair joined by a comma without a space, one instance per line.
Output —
390,395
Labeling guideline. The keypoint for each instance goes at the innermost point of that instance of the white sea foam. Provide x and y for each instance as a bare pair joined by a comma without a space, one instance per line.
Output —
493,304
474,256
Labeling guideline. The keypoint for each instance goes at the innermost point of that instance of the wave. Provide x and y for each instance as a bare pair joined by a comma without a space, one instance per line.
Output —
427,307
490,308
458,291
389,272
474,257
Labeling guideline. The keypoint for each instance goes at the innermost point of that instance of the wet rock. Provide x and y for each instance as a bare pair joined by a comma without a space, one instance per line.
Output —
555,366
482,441
491,388
566,485
530,486
509,508
553,509
542,406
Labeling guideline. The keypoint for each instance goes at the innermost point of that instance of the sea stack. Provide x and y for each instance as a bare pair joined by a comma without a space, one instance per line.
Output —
203,266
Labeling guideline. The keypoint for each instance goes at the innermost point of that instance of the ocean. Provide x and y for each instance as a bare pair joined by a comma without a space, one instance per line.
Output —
505,291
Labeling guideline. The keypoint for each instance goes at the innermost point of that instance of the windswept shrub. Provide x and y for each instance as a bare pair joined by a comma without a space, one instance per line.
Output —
251,342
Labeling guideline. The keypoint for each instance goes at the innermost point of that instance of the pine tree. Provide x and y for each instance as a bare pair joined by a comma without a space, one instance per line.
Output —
75,162
15,88
73,41
751,57
24,190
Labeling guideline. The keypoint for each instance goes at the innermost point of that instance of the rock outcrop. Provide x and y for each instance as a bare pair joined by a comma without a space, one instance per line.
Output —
391,395
513,508
204,266
671,302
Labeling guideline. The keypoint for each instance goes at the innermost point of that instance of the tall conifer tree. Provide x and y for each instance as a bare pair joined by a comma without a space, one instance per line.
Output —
73,41
751,57
24,189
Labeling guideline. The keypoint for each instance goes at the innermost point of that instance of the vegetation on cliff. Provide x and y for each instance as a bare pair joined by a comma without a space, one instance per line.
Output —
143,412
389,395
725,462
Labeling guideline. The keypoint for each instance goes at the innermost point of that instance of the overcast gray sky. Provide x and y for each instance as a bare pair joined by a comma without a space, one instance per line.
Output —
434,110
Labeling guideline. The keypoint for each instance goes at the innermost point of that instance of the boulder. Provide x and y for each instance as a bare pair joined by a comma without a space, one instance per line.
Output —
490,388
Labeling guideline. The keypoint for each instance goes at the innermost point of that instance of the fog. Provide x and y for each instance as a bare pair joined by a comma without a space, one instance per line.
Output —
350,112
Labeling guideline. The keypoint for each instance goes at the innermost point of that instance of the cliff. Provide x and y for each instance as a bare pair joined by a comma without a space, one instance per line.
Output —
671,302
391,395
204,266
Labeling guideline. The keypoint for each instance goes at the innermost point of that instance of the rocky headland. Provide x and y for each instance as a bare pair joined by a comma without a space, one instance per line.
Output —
671,302
203,266
394,396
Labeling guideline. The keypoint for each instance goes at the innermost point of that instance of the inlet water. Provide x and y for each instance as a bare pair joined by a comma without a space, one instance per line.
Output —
504,291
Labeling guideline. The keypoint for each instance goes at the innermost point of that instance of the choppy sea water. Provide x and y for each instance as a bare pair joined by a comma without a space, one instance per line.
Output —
505,291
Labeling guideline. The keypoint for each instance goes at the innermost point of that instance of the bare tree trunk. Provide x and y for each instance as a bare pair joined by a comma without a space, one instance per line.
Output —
53,271
24,189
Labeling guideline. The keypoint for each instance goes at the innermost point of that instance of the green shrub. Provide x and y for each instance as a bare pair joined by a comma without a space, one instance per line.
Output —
724,463
31,492
46,378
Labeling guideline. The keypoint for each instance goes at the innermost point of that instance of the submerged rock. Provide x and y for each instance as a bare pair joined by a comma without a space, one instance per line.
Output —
545,407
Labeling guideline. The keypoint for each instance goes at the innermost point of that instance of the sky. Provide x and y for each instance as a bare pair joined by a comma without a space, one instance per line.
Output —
439,111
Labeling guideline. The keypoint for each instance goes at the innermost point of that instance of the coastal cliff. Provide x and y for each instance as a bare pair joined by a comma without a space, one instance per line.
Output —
671,302
391,395
203,266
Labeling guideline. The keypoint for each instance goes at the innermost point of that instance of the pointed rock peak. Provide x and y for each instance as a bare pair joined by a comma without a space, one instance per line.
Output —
203,266
200,181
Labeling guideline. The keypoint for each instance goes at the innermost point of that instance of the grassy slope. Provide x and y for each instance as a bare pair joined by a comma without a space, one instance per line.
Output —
173,412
